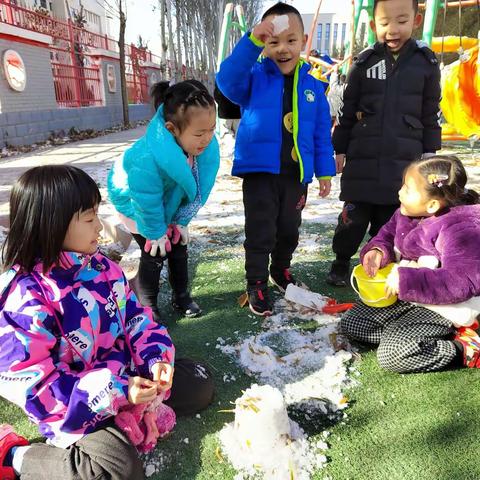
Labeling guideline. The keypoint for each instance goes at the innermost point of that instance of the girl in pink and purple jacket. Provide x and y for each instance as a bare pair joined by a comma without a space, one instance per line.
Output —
76,347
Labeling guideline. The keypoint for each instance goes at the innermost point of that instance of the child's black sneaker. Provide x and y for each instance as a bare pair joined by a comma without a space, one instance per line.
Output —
282,278
339,274
184,303
259,299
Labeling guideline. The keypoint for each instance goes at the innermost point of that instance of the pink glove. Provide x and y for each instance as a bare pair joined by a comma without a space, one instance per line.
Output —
173,233
162,245
184,235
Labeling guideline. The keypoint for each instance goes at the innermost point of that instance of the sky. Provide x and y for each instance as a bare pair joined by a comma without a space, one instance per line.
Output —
142,20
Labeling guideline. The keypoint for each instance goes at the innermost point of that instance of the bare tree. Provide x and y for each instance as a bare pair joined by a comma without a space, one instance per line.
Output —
197,31
117,9
121,46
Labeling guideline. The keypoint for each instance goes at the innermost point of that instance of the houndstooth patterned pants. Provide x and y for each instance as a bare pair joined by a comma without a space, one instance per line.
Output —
409,338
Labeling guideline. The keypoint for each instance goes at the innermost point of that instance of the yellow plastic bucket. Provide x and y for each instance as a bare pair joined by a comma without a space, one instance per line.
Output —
371,290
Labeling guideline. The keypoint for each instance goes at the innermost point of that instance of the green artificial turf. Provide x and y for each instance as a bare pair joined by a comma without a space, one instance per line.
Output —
419,427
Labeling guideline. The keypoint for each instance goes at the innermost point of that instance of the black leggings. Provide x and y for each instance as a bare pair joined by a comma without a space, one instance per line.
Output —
146,284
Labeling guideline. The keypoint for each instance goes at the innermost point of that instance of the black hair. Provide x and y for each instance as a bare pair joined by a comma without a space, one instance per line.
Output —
445,179
43,202
376,2
281,8
178,98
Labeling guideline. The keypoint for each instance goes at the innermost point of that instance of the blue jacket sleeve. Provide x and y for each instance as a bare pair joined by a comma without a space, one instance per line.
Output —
324,161
234,77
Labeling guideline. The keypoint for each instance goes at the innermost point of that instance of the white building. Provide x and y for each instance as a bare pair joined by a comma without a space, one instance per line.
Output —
94,12
333,29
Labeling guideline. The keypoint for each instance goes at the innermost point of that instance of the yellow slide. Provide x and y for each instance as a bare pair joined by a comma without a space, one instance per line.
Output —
461,90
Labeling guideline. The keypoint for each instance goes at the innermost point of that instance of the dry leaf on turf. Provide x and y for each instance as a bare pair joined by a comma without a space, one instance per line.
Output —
243,300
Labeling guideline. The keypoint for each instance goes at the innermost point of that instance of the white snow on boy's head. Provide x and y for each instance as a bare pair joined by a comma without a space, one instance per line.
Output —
288,39
280,23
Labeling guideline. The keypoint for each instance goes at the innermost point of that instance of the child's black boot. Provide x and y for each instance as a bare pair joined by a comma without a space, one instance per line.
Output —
339,273
184,303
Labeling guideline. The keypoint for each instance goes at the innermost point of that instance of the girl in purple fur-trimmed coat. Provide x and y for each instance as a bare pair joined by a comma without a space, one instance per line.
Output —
433,238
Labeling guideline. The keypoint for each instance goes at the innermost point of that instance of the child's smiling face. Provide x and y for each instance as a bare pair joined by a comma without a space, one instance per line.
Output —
198,133
285,48
394,22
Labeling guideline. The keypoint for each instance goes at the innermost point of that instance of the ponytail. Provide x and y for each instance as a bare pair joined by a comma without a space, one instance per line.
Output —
469,197
157,93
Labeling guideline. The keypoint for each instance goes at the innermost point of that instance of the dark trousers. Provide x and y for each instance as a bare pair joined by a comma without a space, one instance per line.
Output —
146,283
353,223
410,338
107,454
273,214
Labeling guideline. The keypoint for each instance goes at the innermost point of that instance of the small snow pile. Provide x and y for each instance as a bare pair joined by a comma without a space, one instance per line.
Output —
263,442
308,365
154,462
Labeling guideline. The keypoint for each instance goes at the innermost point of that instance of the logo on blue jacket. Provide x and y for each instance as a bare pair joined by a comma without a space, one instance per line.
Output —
309,95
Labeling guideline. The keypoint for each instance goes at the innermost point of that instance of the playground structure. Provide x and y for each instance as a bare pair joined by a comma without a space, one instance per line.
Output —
460,80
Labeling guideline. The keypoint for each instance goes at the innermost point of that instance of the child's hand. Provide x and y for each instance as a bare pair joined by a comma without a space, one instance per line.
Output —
173,233
340,162
141,390
371,262
392,284
163,375
263,30
324,187
162,246
184,235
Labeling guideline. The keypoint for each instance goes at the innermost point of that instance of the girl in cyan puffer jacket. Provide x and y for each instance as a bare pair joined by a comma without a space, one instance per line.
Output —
160,184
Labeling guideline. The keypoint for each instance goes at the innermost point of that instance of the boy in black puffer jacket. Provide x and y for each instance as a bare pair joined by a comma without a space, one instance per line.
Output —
389,117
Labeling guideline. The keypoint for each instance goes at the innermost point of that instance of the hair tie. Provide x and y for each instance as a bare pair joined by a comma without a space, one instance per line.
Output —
436,179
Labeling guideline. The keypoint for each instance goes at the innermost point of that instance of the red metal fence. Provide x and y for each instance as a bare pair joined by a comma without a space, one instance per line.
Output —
77,78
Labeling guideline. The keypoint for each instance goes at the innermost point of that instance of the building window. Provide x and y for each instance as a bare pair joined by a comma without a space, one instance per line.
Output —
327,38
319,37
344,33
335,36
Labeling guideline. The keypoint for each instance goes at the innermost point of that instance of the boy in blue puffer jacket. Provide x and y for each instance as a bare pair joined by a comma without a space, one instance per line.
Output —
282,141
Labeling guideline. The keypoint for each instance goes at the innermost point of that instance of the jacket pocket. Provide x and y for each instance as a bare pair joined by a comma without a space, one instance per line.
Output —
413,122
414,128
